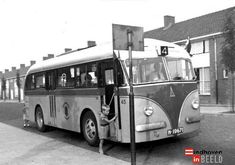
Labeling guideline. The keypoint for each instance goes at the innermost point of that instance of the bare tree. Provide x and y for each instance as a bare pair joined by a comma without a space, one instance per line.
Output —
18,84
3,87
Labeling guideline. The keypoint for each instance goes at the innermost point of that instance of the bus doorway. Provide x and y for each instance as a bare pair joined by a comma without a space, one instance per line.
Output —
106,81
107,73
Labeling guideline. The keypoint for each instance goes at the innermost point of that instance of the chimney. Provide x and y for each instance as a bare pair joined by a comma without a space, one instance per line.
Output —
67,50
169,20
6,70
13,68
22,65
49,56
32,62
44,58
91,43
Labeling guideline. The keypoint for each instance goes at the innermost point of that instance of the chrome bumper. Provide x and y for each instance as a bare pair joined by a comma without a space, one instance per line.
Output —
152,126
193,119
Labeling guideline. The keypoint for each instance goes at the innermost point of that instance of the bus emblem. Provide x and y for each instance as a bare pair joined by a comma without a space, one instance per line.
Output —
172,94
66,111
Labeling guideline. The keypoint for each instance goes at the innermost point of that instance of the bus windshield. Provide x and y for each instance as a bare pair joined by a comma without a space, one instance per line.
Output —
147,70
179,69
150,70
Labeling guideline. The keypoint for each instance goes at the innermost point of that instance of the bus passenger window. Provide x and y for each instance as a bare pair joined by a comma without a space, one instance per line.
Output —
91,75
33,82
30,82
66,77
40,80
80,76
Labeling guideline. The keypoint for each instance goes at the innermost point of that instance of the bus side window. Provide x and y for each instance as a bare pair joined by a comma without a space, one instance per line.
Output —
91,76
30,82
50,80
66,77
40,80
80,76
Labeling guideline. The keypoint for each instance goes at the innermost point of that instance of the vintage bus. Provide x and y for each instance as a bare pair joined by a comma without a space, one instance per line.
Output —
67,92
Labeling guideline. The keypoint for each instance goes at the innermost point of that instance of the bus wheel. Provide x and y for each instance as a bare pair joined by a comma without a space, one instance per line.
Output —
40,120
89,129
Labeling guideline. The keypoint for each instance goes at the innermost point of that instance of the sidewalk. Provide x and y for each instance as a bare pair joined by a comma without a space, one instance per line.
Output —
19,147
214,109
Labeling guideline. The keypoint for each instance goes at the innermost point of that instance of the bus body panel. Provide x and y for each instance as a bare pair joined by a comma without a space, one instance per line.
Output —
141,119
169,95
43,102
169,113
70,108
187,113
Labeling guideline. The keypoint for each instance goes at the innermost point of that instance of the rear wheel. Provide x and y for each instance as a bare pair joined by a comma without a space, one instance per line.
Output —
40,120
89,129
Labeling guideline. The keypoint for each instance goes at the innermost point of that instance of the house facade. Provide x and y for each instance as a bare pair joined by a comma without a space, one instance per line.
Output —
12,92
205,33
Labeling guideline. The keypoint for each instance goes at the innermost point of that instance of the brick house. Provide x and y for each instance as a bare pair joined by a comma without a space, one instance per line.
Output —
205,33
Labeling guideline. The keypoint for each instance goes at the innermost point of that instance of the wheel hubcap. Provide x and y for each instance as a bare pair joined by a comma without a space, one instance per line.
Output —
90,129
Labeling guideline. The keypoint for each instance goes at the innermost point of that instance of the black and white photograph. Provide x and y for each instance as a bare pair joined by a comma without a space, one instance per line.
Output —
117,82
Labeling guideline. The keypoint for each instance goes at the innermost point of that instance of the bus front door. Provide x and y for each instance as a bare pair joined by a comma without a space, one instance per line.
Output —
50,81
110,100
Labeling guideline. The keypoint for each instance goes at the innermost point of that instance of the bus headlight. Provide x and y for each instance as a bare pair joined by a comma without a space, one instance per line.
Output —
195,104
148,111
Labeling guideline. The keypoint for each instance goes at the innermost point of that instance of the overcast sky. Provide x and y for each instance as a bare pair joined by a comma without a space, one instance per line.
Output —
31,29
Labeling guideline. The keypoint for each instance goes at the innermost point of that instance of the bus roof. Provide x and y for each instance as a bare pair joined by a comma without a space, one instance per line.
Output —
153,48
77,57
105,51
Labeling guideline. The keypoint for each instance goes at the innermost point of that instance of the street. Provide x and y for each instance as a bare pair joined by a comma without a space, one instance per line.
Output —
216,134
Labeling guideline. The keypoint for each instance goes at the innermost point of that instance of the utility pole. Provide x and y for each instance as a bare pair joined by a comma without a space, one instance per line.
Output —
129,38
131,98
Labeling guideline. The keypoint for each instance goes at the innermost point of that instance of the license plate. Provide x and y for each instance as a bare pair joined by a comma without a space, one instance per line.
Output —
175,131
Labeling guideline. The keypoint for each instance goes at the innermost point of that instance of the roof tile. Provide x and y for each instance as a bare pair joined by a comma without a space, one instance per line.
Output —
199,26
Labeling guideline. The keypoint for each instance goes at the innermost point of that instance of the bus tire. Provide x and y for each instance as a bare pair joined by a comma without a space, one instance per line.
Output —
40,120
90,129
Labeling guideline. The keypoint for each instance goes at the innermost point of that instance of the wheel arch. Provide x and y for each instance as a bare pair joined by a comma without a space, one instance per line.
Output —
84,111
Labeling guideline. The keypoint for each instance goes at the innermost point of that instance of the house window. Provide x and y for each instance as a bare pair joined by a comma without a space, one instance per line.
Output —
200,47
204,81
15,88
225,73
